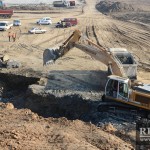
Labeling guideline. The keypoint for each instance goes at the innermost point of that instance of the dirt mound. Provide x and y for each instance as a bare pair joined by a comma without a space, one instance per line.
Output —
23,129
107,7
109,127
6,106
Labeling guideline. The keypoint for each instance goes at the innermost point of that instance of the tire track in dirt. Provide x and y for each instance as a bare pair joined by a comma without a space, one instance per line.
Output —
117,38
82,26
106,36
140,40
134,34
100,36
128,27
96,30
118,35
128,39
91,32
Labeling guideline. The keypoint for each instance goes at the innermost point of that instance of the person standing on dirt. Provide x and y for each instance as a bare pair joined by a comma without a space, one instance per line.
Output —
9,35
64,24
14,37
82,9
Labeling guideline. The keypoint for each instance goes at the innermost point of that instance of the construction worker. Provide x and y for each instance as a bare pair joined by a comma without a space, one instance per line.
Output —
9,35
14,37
64,24
82,9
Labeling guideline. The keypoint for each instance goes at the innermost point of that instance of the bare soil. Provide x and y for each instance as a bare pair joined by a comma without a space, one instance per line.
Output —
74,73
23,129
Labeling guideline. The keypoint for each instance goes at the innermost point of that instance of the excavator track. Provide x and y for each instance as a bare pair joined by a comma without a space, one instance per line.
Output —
122,111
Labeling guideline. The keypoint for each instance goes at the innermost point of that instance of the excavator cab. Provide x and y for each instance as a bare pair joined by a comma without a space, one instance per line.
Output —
121,90
117,88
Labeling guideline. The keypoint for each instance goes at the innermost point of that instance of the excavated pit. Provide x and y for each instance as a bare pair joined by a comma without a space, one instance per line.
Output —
17,90
69,106
17,82
27,92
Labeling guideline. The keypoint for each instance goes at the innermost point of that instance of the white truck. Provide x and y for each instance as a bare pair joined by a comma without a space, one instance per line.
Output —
5,25
127,61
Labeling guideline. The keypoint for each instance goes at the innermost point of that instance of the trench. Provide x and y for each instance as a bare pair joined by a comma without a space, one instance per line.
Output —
17,82
70,106
16,90
13,88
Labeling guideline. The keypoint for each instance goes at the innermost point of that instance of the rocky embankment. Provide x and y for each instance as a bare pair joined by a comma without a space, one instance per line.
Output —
109,6
23,129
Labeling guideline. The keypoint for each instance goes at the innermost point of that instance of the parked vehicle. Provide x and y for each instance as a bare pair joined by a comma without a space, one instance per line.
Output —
16,23
5,25
4,12
64,3
72,21
63,24
36,31
67,22
45,21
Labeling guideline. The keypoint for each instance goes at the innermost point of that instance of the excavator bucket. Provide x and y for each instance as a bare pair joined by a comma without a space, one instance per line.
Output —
50,55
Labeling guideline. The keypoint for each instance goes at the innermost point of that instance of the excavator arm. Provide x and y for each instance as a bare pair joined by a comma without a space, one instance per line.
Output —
94,50
51,55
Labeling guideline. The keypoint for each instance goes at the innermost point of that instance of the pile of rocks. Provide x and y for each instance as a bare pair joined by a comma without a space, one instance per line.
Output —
6,62
108,7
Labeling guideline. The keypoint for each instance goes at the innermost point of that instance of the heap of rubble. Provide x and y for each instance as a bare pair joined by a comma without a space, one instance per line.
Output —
6,62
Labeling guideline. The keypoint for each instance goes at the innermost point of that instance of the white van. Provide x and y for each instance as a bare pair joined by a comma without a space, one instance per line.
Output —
5,25
45,20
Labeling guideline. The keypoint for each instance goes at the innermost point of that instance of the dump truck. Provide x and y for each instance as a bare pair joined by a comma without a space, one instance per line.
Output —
126,59
64,3
119,87
4,11
61,3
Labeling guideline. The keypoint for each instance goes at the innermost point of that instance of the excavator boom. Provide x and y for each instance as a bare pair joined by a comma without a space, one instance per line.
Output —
94,50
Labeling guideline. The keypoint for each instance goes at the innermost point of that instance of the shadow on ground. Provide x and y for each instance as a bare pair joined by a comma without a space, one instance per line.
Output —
78,80
47,102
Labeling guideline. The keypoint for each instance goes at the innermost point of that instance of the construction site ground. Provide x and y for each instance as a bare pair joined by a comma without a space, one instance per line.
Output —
55,105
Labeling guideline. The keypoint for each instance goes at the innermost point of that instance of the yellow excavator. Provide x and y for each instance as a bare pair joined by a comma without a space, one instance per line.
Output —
121,85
